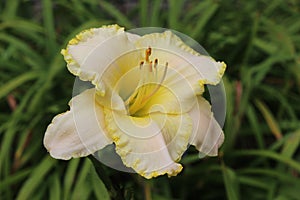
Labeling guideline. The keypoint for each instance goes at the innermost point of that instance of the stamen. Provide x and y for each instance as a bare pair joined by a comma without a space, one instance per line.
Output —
148,53
165,73
155,67
155,63
148,84
158,85
141,64
150,66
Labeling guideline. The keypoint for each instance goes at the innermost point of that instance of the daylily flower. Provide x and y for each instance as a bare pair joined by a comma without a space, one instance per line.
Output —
146,100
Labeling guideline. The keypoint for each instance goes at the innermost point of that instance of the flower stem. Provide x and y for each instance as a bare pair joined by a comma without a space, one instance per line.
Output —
147,190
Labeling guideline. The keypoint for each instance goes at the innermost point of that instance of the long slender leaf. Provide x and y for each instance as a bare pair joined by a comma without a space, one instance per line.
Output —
231,183
121,19
36,178
16,82
270,119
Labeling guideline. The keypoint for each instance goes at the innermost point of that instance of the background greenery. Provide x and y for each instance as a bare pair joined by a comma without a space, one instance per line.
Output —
259,41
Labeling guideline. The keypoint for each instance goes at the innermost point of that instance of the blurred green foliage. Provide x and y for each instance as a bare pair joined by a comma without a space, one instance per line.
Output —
259,41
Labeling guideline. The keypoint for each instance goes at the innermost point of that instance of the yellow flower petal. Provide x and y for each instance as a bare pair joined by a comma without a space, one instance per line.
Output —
207,134
209,71
89,54
176,95
78,132
140,144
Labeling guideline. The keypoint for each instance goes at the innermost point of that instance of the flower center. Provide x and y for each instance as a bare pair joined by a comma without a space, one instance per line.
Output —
148,85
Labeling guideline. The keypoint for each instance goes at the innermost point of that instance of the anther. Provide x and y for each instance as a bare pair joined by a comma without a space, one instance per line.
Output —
141,64
155,63
148,53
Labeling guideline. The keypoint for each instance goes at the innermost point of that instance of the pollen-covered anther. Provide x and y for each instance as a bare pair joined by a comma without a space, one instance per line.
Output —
148,53
155,63
141,64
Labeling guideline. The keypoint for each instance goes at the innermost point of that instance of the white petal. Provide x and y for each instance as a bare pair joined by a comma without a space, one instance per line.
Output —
177,130
141,145
208,70
90,53
78,132
84,42
207,134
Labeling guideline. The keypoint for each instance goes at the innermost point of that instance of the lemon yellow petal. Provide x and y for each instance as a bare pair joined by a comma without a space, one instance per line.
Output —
78,132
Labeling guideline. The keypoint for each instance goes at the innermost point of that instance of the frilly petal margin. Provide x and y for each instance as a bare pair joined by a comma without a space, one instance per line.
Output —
209,71
207,134
141,145
91,51
177,130
78,132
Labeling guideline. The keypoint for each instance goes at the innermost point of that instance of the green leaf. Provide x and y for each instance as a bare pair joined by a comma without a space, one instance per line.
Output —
10,10
49,26
69,177
254,182
155,21
175,7
36,178
270,154
291,145
253,120
82,190
13,179
231,183
55,187
206,16
99,187
114,12
270,119
143,10
18,81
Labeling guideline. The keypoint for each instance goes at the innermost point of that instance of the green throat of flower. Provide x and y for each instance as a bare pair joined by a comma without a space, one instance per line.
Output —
149,84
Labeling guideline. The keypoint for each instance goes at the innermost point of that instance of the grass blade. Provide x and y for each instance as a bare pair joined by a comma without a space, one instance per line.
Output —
36,178
231,183
270,119
114,12
18,81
